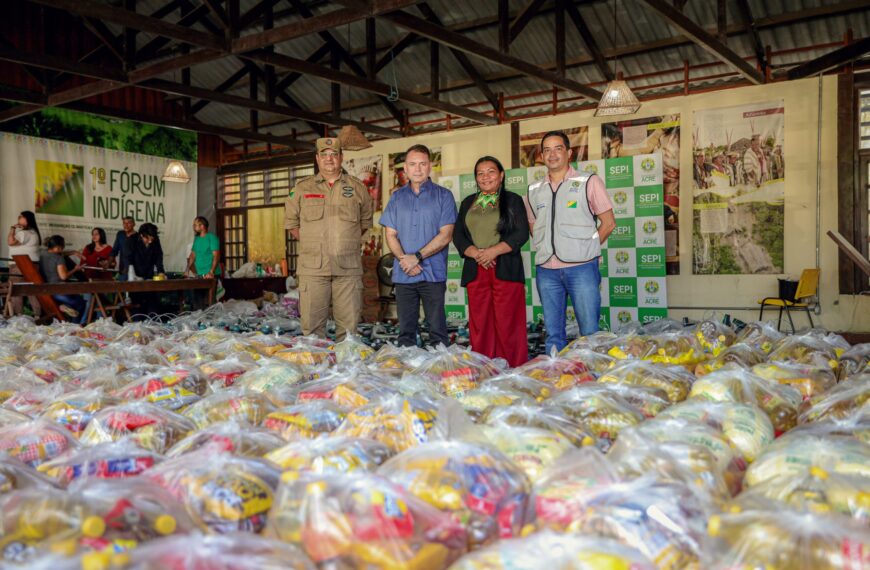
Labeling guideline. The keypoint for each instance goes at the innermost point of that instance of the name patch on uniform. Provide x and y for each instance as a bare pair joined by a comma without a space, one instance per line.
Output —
541,205
347,192
315,195
572,203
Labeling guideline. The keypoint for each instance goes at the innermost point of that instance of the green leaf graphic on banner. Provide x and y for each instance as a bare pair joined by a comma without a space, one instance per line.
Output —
59,188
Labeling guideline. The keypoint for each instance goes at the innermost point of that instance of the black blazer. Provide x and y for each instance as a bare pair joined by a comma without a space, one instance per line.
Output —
514,231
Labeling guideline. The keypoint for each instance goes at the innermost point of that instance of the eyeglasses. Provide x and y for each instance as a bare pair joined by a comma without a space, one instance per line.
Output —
328,155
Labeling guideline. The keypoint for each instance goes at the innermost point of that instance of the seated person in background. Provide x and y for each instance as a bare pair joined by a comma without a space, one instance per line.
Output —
53,267
98,253
143,255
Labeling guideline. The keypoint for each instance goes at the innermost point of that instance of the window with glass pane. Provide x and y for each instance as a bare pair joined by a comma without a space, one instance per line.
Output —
864,113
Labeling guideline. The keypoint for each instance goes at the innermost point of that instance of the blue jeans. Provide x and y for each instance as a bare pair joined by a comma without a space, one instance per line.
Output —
581,283
78,302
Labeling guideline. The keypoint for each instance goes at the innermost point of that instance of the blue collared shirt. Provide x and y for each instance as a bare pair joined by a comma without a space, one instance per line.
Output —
417,218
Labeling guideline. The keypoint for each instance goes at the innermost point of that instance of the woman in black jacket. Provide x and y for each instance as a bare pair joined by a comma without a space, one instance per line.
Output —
491,228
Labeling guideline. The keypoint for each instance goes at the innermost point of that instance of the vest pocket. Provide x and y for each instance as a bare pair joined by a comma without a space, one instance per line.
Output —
576,232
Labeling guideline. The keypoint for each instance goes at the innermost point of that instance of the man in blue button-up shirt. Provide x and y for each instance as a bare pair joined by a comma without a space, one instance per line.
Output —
419,222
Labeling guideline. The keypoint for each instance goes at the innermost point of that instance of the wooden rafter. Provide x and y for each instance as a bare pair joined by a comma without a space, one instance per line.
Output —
529,11
752,29
831,59
589,40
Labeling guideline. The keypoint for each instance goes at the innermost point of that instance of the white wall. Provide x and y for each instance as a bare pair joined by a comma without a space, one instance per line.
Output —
461,148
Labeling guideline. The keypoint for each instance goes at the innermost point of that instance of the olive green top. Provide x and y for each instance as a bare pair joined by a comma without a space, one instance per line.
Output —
482,225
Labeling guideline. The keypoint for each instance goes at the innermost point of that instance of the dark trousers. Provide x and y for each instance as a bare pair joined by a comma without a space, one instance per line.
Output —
408,299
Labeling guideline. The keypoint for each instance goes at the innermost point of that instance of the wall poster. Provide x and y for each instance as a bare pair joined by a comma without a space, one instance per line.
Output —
530,146
368,170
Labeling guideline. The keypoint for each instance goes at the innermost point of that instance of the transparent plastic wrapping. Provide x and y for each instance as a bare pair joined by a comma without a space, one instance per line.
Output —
555,552
596,362
742,355
482,488
785,539
396,359
352,349
221,492
150,426
804,349
230,437
397,422
733,384
602,412
267,345
746,426
714,336
456,370
330,455
36,441
305,421
550,418
233,551
223,373
479,401
809,379
761,335
796,453
560,373
532,449
112,460
306,354
76,409
840,402
855,360
349,389
32,399
16,475
173,388
535,389
361,520
675,382
236,404
279,381
624,347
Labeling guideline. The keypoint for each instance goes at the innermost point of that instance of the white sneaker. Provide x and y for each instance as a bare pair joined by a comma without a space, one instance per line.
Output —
69,311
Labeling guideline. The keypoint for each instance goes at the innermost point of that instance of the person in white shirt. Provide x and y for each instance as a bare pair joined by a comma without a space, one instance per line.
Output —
24,239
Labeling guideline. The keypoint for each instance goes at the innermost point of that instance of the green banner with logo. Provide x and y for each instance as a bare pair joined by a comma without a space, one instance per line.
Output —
633,284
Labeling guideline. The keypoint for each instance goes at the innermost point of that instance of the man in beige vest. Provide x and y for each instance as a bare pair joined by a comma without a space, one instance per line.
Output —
328,213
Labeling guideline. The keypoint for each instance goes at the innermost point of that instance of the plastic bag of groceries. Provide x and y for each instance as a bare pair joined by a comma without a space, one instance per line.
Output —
307,351
623,347
856,425
361,520
840,402
330,455
279,381
348,388
596,362
794,454
674,381
173,388
221,492
478,402
32,399
804,349
48,370
560,373
139,333
398,359
535,389
397,422
647,400
223,373
305,421
111,460
714,336
35,442
150,426
814,491
531,448
677,348
746,426
602,412
785,539
16,475
76,409
482,488
663,520
855,360
555,552
548,418
231,437
236,404
742,355
760,335
734,384
809,379
267,345
457,370
352,349
8,417
232,551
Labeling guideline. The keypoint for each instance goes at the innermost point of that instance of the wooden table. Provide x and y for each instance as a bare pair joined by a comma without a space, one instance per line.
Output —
253,287
117,288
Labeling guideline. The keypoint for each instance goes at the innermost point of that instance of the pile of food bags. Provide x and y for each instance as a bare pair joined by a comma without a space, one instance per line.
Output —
208,444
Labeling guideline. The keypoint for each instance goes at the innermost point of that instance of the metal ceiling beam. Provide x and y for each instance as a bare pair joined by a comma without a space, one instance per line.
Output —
589,40
705,40
54,63
831,60
151,49
463,43
396,49
140,22
225,85
752,29
529,11
105,35
293,64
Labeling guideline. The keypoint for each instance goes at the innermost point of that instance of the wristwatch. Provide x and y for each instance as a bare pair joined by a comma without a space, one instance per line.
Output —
419,256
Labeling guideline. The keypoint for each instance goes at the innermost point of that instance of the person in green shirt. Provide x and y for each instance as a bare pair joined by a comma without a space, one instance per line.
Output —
204,259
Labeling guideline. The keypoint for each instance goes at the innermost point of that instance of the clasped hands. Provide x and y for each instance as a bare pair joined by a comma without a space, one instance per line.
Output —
484,257
410,264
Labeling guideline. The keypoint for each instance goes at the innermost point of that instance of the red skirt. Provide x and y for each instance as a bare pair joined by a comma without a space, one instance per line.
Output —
497,317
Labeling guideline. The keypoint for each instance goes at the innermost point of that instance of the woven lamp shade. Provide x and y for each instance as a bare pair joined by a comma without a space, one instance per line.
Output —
352,138
617,100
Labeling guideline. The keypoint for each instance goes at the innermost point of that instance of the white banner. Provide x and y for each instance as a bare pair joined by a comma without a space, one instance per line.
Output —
74,188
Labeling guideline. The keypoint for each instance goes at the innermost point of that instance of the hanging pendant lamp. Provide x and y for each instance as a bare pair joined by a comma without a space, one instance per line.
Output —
352,138
618,99
175,172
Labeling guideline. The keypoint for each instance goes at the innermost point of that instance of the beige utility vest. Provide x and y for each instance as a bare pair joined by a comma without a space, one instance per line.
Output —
564,223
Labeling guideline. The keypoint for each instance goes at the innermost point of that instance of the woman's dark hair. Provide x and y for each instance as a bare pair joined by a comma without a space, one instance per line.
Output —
30,218
91,247
201,220
506,218
148,229
55,241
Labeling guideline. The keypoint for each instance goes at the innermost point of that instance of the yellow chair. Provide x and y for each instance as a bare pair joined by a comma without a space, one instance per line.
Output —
807,287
